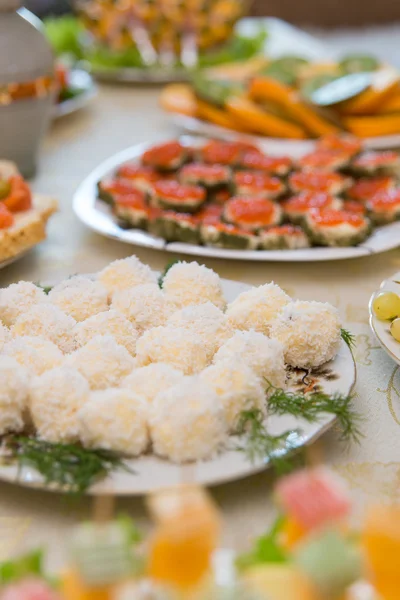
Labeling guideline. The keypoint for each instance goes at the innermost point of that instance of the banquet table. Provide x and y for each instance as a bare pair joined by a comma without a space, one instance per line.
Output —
118,118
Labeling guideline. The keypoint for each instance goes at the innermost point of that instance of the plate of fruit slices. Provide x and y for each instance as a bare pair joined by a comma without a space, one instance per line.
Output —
384,311
56,350
259,207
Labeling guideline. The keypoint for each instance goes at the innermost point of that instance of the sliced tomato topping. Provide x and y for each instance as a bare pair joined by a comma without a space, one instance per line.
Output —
117,186
210,214
354,207
364,189
385,200
269,164
6,217
258,181
177,191
376,159
207,171
323,159
346,143
330,218
250,210
133,171
307,200
285,230
229,228
20,196
184,217
317,181
163,155
223,153
134,199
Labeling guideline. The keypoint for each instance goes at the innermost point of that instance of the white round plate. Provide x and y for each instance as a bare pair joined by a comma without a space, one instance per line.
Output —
78,79
151,472
98,216
277,146
380,328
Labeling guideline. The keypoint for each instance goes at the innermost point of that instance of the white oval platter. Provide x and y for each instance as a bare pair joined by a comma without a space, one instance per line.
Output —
151,472
80,81
98,217
380,328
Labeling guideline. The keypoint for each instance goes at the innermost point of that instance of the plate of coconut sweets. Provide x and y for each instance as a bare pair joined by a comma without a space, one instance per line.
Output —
125,381
232,200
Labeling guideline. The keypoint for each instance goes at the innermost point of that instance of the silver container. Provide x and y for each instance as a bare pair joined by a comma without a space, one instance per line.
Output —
25,56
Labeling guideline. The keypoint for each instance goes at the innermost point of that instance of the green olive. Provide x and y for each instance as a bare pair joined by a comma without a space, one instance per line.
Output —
5,189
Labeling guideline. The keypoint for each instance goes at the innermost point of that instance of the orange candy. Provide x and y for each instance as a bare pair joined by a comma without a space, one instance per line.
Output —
186,534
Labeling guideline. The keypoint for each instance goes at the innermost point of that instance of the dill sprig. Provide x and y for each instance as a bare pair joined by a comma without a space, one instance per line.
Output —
167,268
348,338
311,406
258,443
69,466
46,288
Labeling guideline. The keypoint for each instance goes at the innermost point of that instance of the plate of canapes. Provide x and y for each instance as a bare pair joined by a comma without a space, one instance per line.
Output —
187,378
384,310
233,200
23,215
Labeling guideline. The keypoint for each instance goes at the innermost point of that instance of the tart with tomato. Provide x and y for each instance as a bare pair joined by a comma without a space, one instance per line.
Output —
225,153
131,209
272,165
141,178
318,181
377,163
176,227
283,237
344,143
252,214
165,157
211,177
384,207
336,227
226,235
109,189
296,208
257,184
172,195
324,160
366,188
23,216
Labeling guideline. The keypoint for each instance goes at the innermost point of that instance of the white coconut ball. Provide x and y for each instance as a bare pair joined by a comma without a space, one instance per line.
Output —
34,353
206,320
310,333
5,335
115,419
144,305
151,380
80,297
186,284
257,308
55,398
14,387
125,273
174,346
17,298
49,322
237,387
187,421
109,322
102,361
263,355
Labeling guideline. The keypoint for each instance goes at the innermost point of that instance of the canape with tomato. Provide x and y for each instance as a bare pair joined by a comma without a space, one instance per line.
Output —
283,237
336,227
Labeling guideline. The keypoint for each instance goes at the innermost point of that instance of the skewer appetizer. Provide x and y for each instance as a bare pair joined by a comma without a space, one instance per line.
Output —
232,195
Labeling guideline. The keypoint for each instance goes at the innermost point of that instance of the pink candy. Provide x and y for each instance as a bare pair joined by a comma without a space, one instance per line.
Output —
313,497
32,589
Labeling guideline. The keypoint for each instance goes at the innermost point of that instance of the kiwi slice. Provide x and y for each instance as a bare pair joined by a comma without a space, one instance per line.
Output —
215,91
358,63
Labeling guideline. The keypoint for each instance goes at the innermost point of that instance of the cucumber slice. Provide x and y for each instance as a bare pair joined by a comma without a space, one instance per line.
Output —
216,92
281,74
358,63
291,62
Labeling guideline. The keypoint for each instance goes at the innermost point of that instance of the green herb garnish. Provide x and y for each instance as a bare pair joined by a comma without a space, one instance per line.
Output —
67,465
26,565
46,288
258,443
348,337
311,406
267,548
167,268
